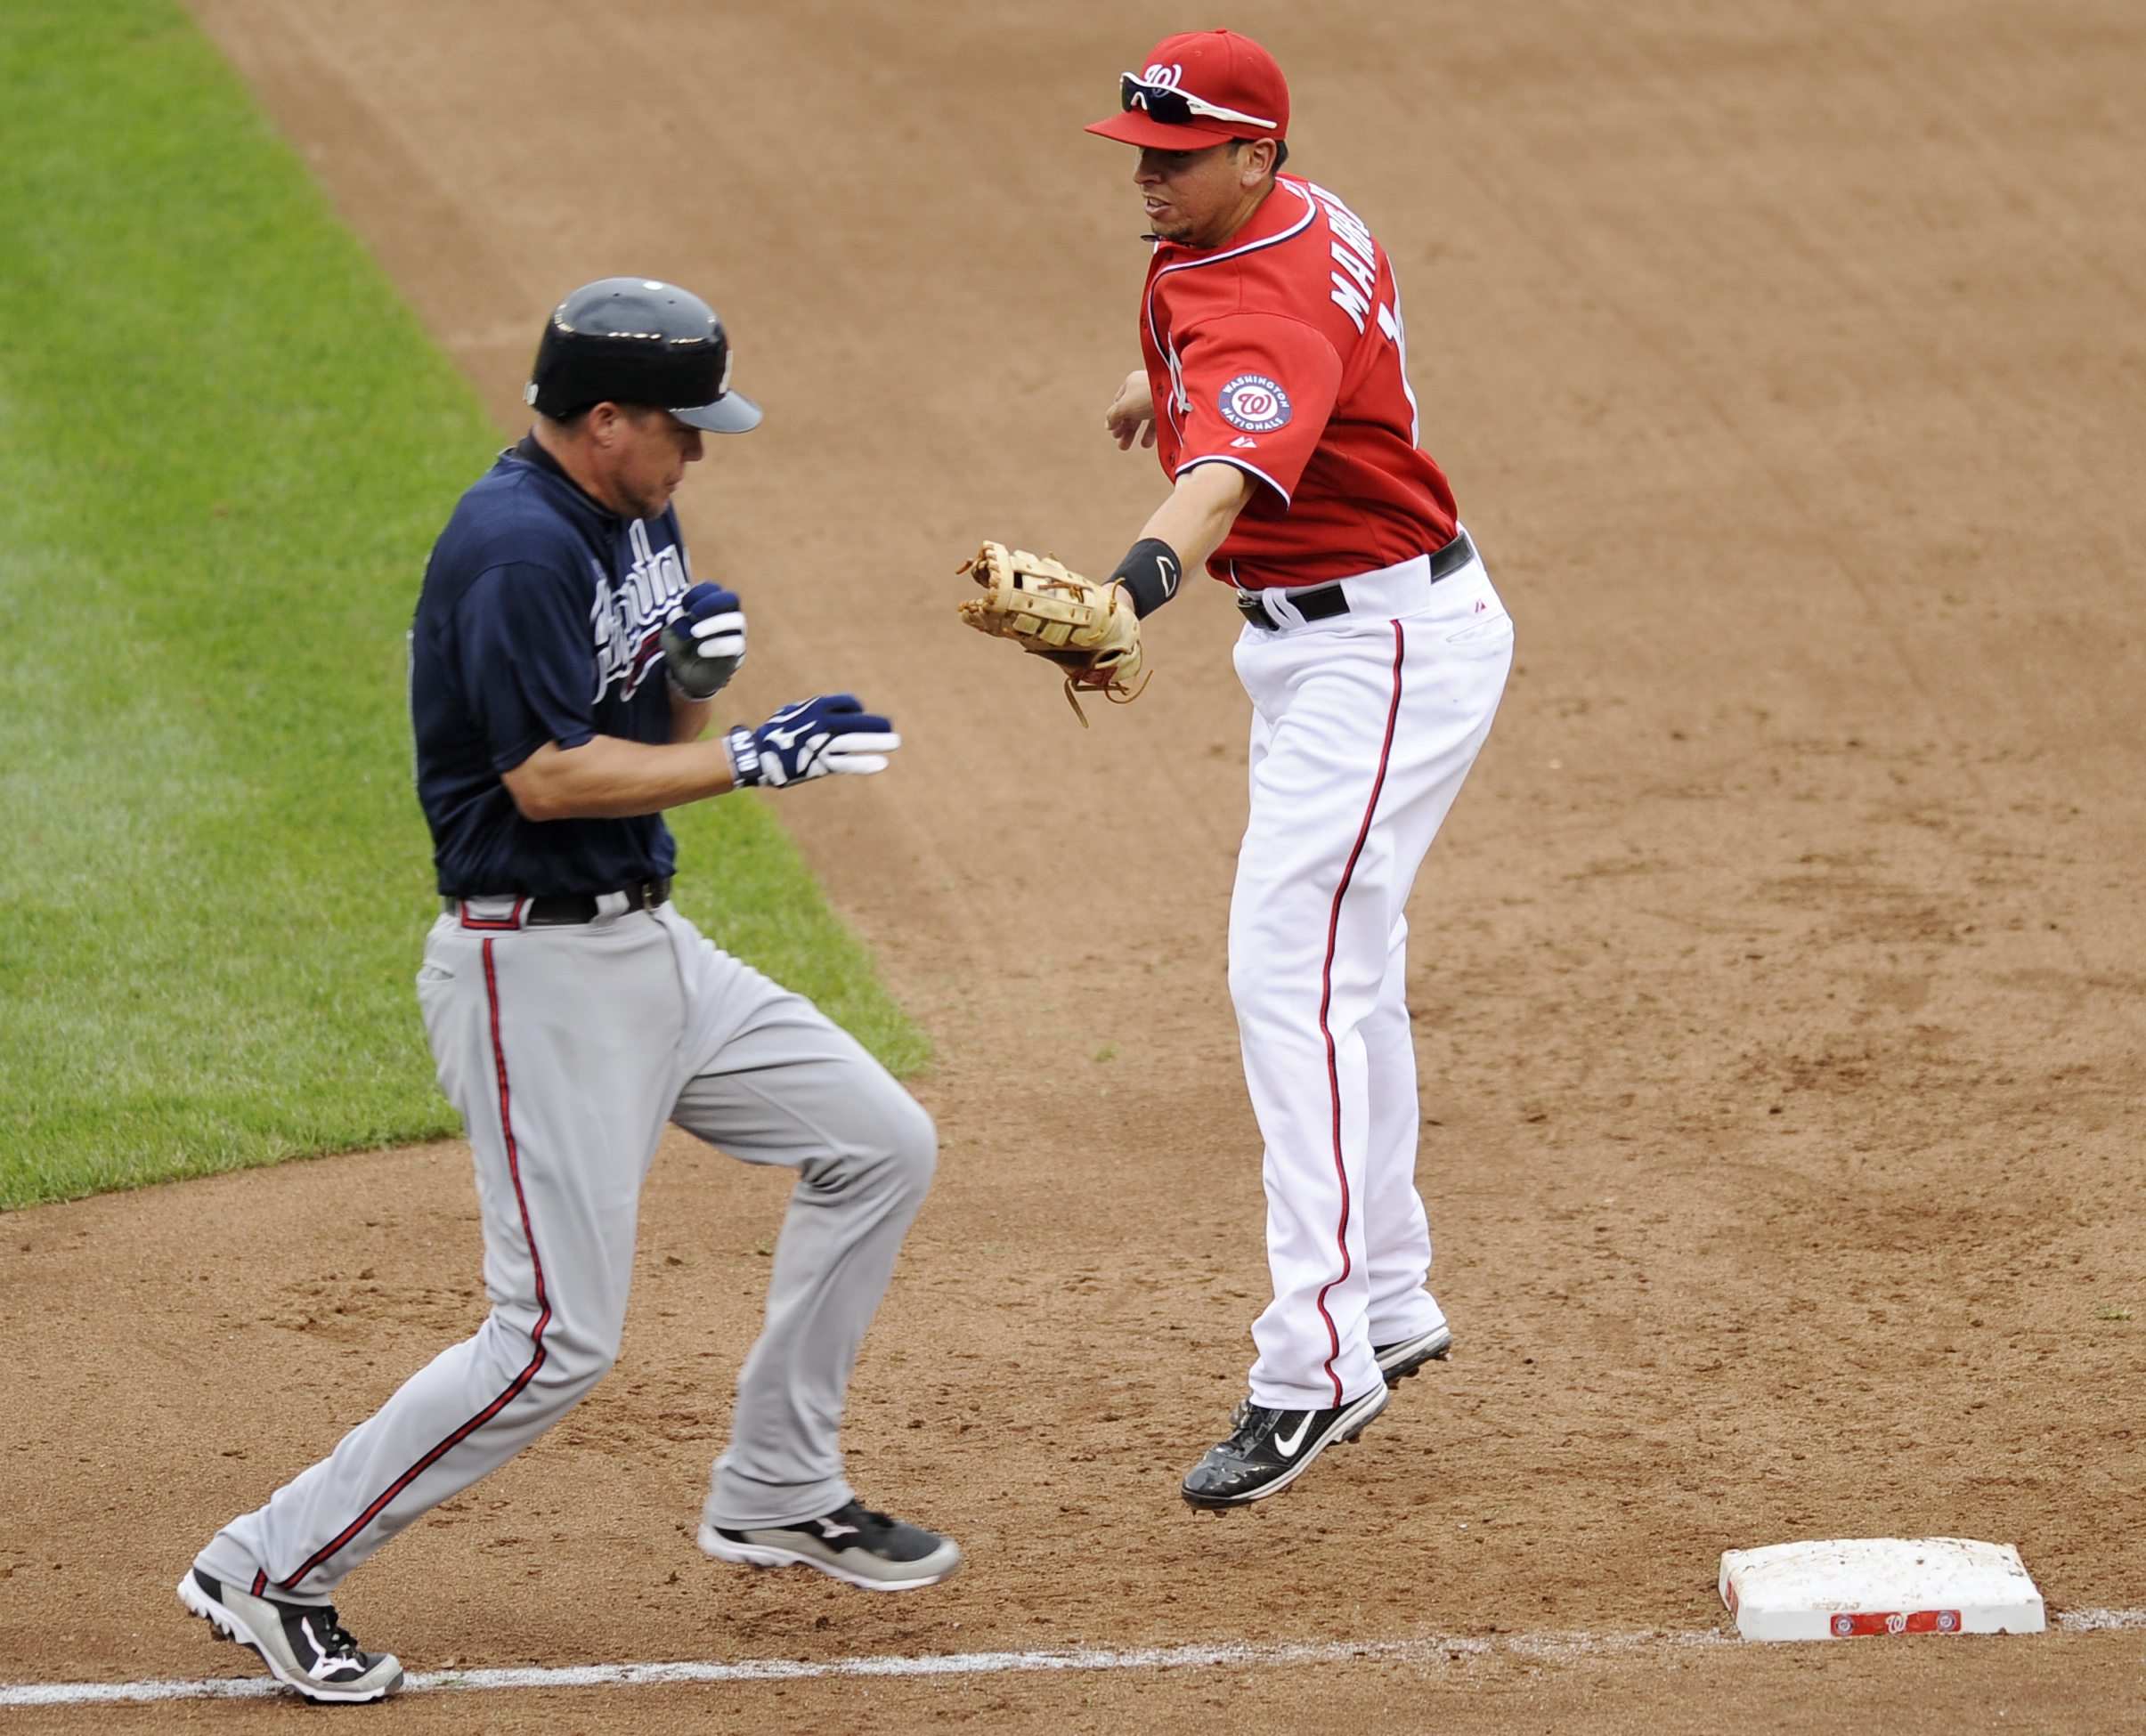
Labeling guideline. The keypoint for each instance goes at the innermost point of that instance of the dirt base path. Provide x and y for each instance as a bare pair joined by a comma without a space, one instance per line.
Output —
1778,980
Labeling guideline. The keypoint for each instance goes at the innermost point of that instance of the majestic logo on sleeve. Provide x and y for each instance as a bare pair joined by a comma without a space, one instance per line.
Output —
1254,403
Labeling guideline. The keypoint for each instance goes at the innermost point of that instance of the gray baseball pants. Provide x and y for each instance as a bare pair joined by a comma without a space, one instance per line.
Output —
567,1049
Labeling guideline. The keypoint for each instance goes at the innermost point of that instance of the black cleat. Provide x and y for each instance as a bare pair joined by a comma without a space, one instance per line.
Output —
853,1544
1267,1449
303,1644
1398,1361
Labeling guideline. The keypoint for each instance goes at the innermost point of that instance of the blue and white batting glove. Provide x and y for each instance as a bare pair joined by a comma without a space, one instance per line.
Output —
810,738
704,641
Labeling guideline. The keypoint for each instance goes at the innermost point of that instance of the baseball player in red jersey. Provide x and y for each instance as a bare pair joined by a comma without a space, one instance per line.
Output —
1275,392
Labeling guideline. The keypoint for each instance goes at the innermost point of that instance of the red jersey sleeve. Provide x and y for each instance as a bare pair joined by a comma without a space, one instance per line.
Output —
1258,389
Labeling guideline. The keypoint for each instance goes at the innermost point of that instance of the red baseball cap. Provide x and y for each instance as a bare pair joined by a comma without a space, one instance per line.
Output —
1203,88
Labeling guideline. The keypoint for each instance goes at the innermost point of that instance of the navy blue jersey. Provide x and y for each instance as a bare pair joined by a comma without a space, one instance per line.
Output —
539,622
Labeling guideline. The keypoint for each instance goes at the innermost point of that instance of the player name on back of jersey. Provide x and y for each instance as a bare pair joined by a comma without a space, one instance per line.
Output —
1357,253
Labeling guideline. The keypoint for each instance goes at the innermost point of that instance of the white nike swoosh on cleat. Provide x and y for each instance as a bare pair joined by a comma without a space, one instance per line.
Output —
1288,1448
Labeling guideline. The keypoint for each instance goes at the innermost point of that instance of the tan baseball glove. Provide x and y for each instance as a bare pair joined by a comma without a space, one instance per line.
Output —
1089,630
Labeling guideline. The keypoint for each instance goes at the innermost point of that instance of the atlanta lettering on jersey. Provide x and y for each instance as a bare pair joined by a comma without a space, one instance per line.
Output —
627,622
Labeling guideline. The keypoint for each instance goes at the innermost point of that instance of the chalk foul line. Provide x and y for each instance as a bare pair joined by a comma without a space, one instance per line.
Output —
1434,1651
1431,1651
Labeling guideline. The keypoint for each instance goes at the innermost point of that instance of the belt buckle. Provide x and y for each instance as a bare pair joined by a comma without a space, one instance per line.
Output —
503,912
1253,607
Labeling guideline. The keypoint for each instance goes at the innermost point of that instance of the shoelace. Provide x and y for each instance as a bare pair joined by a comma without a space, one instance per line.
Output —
334,1640
875,1526
870,1527
1247,1423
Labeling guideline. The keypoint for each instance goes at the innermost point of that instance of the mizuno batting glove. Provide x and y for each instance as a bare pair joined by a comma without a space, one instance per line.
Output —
704,641
810,738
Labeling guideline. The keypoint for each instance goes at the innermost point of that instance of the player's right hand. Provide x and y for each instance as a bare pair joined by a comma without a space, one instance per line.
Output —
704,641
1132,412
810,738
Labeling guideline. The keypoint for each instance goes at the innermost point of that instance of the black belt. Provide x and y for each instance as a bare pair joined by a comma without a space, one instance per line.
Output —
569,909
1330,600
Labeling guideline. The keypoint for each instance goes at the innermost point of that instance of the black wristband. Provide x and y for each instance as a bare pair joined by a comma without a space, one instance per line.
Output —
1149,573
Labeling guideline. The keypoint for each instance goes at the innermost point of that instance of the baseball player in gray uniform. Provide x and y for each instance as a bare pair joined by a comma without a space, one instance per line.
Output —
562,666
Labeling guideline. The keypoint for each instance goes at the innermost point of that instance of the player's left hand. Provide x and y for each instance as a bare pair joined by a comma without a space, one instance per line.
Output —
704,641
810,738
1132,413
1091,631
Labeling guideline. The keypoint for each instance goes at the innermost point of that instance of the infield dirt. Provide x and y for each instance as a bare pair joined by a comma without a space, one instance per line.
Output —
1778,980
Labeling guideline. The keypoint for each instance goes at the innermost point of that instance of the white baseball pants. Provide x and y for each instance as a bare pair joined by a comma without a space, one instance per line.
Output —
1363,727
567,1049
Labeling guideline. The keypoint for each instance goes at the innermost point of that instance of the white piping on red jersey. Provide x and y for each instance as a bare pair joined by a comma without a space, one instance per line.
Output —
1216,457
1181,405
1311,211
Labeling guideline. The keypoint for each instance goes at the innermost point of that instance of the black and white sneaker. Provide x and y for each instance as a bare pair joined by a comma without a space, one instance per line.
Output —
303,1644
1398,1361
852,1543
1268,1449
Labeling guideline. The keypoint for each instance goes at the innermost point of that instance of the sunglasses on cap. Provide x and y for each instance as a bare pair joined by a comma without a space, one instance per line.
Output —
1175,108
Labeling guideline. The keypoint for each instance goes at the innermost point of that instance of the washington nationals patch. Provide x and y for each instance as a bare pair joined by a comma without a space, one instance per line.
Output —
1254,403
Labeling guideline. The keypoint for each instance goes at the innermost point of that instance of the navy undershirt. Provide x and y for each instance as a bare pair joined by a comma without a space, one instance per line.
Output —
539,622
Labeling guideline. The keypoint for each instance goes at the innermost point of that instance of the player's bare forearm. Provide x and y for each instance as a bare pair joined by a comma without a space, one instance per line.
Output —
1199,512
688,717
609,778
1184,530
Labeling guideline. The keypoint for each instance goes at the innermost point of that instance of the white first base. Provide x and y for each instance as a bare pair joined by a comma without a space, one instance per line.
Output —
1879,1585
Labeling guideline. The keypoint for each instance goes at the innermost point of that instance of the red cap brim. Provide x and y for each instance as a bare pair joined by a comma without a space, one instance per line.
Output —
1133,127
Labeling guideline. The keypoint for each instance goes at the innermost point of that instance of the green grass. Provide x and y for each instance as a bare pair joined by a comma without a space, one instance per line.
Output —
225,446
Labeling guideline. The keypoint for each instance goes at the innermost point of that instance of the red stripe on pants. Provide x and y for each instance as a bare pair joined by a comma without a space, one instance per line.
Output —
514,1169
1326,1002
